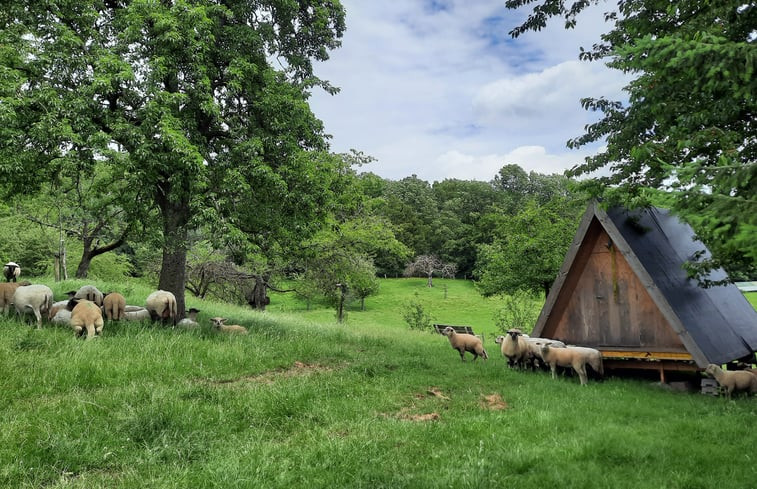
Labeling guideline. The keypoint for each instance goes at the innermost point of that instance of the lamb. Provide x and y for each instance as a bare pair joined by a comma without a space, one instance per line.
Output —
573,356
162,305
36,299
136,313
733,381
12,271
191,321
514,347
86,315
114,306
7,289
535,344
463,342
90,293
218,325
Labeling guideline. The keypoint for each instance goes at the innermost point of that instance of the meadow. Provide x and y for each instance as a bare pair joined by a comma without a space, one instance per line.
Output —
304,402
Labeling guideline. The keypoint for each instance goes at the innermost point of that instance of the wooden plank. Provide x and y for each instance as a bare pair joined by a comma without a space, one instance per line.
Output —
646,355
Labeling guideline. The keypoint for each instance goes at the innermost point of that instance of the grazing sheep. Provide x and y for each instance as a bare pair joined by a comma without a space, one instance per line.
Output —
733,381
189,322
89,293
573,356
162,305
463,342
86,316
36,299
514,347
136,313
218,325
57,307
7,289
114,305
11,271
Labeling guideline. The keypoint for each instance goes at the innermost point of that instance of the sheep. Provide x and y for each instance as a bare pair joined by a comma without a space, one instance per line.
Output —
573,356
514,347
463,342
12,271
136,313
114,305
61,317
162,305
535,344
218,325
90,293
36,299
57,307
733,381
191,321
86,316
7,289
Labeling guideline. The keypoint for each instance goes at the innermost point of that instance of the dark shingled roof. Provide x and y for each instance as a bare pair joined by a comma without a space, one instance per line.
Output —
719,320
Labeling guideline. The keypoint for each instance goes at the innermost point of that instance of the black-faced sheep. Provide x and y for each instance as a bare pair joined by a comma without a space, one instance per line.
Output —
219,325
189,322
86,316
11,271
514,347
463,342
162,306
35,299
733,381
7,289
573,356
114,306
89,293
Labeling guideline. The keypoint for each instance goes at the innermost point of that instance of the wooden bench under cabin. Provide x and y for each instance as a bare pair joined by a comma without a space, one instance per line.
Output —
439,328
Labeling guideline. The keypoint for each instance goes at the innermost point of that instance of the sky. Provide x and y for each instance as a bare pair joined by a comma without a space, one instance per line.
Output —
438,89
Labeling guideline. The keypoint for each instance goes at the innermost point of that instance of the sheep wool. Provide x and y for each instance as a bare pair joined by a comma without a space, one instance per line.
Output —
33,299
86,316
90,293
733,381
514,347
219,325
575,357
162,306
12,271
114,305
7,289
463,342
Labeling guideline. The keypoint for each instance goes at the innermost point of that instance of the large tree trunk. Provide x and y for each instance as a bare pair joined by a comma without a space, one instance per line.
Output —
173,276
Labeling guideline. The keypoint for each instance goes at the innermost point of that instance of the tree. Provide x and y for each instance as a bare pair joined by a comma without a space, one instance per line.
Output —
182,99
428,265
529,249
689,126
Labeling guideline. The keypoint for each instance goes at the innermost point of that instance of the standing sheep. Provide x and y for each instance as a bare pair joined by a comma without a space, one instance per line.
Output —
7,289
36,299
12,271
162,306
114,306
463,342
733,381
90,293
218,325
514,347
576,357
86,316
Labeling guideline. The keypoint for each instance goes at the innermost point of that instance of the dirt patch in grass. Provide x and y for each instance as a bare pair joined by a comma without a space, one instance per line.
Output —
297,369
493,402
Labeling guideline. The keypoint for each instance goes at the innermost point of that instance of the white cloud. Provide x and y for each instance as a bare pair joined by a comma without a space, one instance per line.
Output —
438,89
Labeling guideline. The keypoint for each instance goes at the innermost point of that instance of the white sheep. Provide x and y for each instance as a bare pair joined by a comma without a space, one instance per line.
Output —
61,317
219,325
36,299
162,305
189,322
86,316
12,271
535,344
136,313
114,305
733,381
514,347
463,342
7,289
573,356
90,293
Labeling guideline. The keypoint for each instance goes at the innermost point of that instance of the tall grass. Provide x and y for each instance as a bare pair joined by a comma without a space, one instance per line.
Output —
305,403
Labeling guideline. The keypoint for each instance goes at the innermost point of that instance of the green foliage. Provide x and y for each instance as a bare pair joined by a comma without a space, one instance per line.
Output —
415,315
30,245
519,310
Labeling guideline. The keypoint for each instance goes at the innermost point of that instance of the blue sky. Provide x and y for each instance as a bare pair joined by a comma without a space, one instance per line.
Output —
438,89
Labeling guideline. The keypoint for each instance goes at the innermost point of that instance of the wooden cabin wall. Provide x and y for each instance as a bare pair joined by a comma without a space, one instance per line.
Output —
604,304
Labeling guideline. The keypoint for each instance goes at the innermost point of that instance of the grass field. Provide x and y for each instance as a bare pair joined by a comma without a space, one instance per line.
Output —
303,402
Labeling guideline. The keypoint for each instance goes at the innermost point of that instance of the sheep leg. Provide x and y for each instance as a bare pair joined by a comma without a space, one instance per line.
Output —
90,331
553,368
462,354
78,331
39,318
581,370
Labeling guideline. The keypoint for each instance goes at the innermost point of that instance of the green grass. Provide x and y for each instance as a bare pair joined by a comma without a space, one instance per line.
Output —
305,403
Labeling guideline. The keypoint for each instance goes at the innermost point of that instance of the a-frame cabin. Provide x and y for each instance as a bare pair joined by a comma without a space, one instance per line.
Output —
622,290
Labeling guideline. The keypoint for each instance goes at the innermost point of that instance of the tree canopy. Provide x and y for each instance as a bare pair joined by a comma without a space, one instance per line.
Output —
689,124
